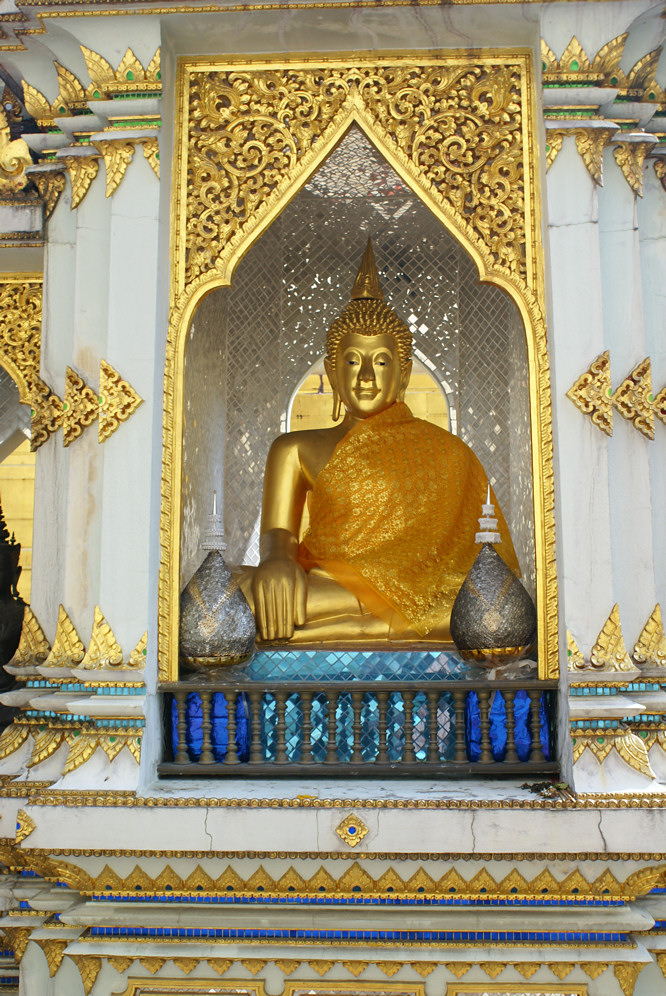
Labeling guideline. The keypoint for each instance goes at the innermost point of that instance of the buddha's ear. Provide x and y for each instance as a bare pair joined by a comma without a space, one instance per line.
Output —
405,374
330,373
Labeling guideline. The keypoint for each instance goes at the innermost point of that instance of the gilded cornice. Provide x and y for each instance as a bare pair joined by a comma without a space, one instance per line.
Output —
355,881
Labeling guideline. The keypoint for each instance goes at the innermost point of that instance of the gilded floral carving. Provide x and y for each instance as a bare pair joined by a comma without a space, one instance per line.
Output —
457,129
634,400
592,393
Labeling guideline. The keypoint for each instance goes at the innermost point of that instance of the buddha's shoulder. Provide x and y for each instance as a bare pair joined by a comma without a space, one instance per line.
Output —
305,440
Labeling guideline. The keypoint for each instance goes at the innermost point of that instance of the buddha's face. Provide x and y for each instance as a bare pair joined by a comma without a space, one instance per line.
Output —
367,373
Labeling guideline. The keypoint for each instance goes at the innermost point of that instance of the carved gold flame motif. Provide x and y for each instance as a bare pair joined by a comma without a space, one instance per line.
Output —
609,651
67,648
651,644
592,393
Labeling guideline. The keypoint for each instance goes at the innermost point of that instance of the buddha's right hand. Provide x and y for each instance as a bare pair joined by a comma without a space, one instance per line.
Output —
279,589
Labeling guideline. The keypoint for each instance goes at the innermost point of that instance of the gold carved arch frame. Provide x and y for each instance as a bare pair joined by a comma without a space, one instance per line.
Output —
459,128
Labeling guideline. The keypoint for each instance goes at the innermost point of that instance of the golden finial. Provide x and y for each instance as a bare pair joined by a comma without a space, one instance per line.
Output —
103,650
366,286
67,648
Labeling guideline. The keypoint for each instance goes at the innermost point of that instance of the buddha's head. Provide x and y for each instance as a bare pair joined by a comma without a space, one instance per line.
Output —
368,349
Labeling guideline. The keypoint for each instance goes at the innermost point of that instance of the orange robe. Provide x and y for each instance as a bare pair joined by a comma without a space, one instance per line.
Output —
393,516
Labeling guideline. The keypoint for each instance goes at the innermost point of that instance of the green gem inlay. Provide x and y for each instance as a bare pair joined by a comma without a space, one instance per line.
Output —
129,75
574,65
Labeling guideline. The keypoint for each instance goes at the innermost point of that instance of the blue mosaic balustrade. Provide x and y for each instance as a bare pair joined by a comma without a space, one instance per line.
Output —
277,664
424,723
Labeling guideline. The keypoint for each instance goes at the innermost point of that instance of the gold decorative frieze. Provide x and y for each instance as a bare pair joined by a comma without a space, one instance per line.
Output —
20,350
117,400
82,171
14,157
103,649
576,67
352,830
575,659
151,151
355,880
80,407
83,744
630,157
33,646
117,155
650,647
50,185
130,76
633,399
592,393
609,652
25,825
67,649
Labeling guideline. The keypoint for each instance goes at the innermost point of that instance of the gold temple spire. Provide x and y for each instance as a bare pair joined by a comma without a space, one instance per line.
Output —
366,286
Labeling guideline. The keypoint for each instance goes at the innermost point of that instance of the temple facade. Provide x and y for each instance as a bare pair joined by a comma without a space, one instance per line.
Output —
185,192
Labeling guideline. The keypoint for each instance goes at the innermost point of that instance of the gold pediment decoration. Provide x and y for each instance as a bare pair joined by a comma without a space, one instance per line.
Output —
36,104
610,652
82,171
117,400
117,155
54,952
80,407
630,157
103,649
592,393
67,649
575,66
50,185
575,659
650,647
20,351
633,752
71,91
89,967
33,646
470,165
634,400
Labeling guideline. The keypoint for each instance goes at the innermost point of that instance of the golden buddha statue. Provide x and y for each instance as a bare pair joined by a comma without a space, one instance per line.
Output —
393,501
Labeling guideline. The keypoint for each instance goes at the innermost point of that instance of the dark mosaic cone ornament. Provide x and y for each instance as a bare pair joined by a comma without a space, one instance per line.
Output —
217,627
493,619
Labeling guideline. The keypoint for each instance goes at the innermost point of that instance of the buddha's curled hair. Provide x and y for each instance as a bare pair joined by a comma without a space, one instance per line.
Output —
369,317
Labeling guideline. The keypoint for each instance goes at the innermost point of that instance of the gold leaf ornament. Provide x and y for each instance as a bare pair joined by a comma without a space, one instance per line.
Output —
634,400
33,646
592,393
575,659
54,952
50,185
25,825
650,647
67,649
630,157
351,830
610,652
633,751
89,968
14,157
80,407
13,737
117,400
138,656
103,649
554,139
82,171
82,746
659,404
117,155
626,974
151,151
45,744
36,104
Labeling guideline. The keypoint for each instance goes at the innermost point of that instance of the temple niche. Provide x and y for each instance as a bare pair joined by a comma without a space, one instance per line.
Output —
252,345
